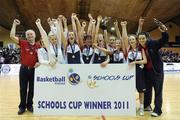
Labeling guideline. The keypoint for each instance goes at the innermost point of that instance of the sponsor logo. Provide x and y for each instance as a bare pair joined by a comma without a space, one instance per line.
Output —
54,79
73,77
91,83
94,79
5,69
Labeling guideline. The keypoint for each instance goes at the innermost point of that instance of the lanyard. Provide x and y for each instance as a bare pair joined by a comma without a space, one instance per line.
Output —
134,56
117,56
72,48
55,50
87,50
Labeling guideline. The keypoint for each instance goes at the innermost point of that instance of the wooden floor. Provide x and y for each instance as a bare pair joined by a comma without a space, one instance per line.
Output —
9,100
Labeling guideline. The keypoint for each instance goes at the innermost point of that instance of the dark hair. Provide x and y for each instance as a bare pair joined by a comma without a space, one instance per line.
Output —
144,33
87,36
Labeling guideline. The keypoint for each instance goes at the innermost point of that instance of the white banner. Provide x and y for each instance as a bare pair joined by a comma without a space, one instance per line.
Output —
85,90
171,67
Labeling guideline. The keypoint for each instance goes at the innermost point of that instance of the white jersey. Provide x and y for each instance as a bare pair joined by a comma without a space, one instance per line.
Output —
43,56
57,52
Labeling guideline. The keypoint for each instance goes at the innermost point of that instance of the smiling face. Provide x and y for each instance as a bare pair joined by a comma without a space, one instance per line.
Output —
30,36
88,40
52,39
71,37
118,43
112,41
100,40
142,40
132,40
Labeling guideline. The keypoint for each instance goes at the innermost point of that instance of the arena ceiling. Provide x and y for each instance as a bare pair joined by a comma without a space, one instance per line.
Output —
29,10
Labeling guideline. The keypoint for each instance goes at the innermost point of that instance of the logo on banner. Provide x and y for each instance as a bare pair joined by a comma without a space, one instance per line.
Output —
53,79
73,77
5,69
94,79
91,83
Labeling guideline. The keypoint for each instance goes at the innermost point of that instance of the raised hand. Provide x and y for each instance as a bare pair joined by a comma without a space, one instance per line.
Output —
123,23
116,23
162,28
16,22
49,21
38,21
84,24
64,19
90,16
60,17
99,18
160,25
141,21
74,15
54,20
93,21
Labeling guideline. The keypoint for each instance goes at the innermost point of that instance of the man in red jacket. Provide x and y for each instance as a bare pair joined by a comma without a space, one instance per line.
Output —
28,63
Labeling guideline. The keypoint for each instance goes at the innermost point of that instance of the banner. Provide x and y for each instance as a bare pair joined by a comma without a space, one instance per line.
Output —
171,67
82,89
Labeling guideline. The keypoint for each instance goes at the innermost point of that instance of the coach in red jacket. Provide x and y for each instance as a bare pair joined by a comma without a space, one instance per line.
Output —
28,63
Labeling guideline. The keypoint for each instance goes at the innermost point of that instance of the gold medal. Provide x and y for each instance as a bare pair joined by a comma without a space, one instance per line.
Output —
73,56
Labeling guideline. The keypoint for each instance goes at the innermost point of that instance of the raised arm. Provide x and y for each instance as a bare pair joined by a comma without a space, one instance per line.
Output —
124,34
118,33
157,44
93,29
58,32
63,38
120,37
52,59
89,30
13,31
97,28
81,35
140,25
43,33
74,26
77,23
164,36
106,38
65,25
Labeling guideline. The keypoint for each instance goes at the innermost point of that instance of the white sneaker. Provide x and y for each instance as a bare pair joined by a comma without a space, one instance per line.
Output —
148,108
141,111
154,114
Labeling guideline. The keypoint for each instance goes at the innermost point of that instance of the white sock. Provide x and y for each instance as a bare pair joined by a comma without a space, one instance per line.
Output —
141,106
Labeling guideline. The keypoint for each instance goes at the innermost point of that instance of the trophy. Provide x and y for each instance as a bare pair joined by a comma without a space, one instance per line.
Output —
159,24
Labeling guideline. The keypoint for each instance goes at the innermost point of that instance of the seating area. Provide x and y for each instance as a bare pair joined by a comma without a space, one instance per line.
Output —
170,55
9,55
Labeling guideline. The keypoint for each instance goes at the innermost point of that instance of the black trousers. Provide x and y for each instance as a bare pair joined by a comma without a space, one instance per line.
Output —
154,80
26,83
